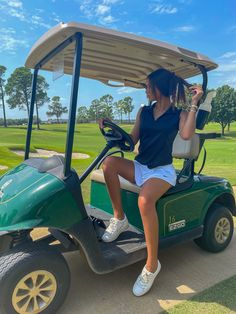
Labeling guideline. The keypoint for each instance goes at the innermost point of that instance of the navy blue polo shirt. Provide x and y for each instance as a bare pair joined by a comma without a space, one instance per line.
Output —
157,136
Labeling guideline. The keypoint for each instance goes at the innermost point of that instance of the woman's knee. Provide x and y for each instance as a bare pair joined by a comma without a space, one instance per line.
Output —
146,204
109,163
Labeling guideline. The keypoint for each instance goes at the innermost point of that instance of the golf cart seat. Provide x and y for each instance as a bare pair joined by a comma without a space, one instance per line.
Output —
182,149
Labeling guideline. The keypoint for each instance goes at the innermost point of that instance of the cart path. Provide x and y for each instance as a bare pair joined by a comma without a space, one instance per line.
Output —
186,271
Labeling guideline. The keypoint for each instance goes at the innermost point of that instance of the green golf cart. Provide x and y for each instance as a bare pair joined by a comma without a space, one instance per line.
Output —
46,192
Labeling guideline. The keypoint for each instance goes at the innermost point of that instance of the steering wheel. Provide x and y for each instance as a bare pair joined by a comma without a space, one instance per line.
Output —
115,136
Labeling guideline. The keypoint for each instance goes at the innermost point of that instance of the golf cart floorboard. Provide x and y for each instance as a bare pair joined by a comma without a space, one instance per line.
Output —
128,242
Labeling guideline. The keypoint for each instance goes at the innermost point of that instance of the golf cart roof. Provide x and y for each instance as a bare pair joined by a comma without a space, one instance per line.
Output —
109,55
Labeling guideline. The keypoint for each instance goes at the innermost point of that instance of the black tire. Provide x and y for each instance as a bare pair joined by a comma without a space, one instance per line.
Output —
42,262
214,240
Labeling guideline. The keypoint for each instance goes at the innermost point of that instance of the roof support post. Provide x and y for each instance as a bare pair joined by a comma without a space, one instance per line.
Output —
73,102
31,113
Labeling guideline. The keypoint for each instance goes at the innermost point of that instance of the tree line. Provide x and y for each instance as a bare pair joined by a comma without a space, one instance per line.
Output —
106,107
17,91
17,88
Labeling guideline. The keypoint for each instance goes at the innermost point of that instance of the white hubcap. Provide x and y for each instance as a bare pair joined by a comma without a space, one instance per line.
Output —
222,230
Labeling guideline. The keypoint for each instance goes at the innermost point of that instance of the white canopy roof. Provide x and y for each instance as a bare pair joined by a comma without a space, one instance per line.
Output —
116,56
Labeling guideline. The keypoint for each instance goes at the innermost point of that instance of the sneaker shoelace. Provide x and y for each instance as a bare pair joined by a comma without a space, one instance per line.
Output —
112,226
143,279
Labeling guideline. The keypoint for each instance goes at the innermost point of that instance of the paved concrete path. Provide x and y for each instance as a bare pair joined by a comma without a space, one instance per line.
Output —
186,270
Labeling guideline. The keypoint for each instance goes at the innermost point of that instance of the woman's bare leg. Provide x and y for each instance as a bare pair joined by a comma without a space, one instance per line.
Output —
151,191
113,167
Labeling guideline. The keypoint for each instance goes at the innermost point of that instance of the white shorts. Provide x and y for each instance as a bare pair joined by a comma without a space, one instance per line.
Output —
143,173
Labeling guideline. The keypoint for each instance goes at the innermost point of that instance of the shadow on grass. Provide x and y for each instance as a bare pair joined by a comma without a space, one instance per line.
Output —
210,300
231,133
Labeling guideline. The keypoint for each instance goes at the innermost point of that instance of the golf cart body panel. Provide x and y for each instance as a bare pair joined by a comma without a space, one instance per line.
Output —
177,212
33,199
110,55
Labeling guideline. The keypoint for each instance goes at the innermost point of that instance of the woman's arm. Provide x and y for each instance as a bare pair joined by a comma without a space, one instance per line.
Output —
135,131
187,123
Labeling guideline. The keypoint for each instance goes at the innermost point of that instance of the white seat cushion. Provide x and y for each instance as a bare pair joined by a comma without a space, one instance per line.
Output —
97,175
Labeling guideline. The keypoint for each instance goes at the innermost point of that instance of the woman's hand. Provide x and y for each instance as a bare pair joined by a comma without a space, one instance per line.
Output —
197,92
100,122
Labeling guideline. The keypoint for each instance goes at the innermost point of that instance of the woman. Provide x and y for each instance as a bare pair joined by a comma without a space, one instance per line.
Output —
156,127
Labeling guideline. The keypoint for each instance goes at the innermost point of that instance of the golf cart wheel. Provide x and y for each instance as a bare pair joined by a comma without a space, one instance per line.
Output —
218,229
34,279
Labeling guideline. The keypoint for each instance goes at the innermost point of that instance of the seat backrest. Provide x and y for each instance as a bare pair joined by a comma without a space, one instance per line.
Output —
186,149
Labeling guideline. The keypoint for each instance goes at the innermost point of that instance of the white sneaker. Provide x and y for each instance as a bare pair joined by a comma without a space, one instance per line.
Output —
145,281
115,228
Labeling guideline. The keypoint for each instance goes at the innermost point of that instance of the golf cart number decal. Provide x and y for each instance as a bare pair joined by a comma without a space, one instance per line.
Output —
171,219
177,225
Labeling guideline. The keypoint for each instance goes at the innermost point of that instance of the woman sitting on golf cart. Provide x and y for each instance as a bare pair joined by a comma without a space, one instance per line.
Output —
156,127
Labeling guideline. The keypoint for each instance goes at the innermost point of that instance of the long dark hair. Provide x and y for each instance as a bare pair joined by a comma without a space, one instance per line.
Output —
169,84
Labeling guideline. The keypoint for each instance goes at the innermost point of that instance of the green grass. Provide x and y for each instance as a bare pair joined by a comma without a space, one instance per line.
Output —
219,299
221,152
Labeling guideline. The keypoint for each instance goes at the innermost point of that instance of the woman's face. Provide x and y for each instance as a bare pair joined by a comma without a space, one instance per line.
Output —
150,95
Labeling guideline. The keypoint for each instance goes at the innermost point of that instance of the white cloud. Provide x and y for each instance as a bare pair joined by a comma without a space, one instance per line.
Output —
102,9
13,8
185,28
56,17
14,3
227,69
229,54
86,8
18,14
229,80
8,41
109,19
37,20
164,9
110,1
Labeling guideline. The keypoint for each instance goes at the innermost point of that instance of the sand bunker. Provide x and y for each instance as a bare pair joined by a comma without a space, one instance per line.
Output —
3,167
50,153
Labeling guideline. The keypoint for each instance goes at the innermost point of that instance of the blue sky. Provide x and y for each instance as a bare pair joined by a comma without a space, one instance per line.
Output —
208,27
